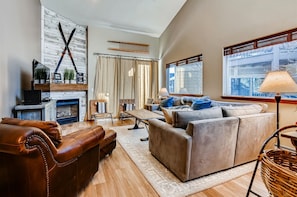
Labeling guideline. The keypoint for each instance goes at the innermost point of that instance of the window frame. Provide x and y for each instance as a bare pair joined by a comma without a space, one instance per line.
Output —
182,62
265,41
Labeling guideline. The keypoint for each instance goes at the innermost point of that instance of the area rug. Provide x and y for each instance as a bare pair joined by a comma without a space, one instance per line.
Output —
162,180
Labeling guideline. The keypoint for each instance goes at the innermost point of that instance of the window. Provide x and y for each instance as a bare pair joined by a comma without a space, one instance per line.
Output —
185,76
245,65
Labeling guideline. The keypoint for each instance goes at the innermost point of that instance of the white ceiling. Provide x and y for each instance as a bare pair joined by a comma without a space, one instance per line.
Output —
148,17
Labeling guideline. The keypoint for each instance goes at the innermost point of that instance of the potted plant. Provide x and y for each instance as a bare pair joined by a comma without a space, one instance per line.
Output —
43,76
37,76
66,75
71,76
40,76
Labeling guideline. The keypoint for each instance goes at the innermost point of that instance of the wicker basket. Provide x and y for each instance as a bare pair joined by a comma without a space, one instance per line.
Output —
278,172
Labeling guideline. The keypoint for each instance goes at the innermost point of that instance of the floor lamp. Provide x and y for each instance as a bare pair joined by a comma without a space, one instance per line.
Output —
278,82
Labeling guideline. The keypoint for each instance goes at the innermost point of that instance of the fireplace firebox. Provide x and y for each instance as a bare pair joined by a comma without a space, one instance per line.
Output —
67,111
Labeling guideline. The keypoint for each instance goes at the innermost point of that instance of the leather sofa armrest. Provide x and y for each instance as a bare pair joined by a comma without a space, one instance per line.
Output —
18,140
76,143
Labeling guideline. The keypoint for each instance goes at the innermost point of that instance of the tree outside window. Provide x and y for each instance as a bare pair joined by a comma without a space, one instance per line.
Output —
185,76
245,65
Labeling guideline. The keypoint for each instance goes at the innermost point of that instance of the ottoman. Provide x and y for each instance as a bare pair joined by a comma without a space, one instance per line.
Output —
108,143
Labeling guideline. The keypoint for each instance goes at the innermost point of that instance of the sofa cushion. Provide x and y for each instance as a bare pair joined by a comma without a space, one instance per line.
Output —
129,106
241,110
188,100
177,101
167,102
167,112
180,119
201,104
51,128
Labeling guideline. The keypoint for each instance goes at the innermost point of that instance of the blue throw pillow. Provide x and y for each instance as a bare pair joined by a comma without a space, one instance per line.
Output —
167,102
201,104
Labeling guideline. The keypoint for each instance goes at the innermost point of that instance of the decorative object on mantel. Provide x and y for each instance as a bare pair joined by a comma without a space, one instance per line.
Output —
66,76
131,47
56,74
41,73
57,78
79,76
71,76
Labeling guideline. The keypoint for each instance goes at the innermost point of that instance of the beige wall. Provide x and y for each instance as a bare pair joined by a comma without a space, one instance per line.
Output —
206,26
97,43
19,44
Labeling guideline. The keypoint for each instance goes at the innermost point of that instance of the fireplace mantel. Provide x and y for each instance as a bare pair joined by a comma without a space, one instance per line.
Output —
61,87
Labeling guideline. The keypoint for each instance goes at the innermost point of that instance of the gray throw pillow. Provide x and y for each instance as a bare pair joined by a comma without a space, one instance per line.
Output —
180,119
168,112
229,111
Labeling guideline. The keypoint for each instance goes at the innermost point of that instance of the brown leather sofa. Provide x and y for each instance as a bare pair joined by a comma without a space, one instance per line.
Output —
32,165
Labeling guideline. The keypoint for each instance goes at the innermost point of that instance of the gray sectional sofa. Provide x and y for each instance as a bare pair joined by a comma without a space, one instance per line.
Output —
200,142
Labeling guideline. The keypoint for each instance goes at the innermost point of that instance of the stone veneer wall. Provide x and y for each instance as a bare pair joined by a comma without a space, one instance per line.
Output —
52,43
52,46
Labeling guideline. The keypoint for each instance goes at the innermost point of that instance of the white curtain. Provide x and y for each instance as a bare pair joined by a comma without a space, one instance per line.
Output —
122,78
103,83
147,81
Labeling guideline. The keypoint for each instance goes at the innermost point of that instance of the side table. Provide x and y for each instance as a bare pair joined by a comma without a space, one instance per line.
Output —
97,112
293,136
151,107
42,111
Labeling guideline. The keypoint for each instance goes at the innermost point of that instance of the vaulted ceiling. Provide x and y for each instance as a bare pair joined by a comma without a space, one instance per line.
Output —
147,17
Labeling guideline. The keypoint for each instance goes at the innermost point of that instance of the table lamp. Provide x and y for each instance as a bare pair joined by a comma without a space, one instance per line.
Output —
278,82
163,93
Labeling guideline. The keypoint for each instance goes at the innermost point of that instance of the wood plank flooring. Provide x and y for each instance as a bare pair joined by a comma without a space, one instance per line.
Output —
118,176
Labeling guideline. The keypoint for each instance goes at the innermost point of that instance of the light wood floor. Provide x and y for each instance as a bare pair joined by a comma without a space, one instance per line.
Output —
118,176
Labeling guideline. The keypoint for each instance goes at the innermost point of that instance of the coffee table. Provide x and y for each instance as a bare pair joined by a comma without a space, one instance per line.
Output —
143,115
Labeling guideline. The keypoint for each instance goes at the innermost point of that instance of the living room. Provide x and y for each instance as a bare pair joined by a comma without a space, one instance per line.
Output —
201,27
183,38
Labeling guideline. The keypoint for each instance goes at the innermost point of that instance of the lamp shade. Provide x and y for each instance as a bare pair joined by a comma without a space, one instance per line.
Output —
163,92
278,82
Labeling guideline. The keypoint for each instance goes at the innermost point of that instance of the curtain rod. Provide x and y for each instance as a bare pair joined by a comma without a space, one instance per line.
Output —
125,56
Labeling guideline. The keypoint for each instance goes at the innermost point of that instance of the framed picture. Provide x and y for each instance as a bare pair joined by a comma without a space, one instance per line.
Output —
80,78
57,76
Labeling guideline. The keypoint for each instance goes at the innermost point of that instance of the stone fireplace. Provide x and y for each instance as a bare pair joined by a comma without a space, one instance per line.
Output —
51,53
67,111
70,97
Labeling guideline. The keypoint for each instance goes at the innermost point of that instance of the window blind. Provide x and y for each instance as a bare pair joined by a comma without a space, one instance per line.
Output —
196,58
282,37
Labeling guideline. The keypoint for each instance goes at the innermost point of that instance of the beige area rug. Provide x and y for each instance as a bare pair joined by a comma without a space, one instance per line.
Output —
162,180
